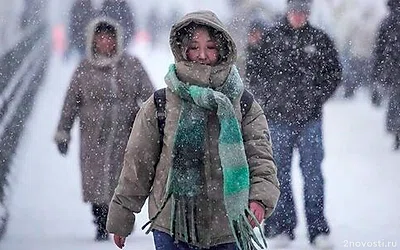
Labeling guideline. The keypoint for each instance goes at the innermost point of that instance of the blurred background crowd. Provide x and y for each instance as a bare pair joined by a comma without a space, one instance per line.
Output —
353,24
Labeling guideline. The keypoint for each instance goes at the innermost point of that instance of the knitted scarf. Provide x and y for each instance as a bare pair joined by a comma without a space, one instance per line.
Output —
187,173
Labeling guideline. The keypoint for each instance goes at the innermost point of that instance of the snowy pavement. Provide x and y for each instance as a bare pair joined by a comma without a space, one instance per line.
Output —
362,176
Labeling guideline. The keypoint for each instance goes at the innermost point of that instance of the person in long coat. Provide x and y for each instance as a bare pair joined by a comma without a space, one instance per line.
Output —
105,93
214,166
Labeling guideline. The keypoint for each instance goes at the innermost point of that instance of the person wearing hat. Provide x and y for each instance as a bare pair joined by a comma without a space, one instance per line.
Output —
293,72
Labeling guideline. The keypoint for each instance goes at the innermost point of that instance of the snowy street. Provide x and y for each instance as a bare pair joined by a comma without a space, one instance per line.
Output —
361,174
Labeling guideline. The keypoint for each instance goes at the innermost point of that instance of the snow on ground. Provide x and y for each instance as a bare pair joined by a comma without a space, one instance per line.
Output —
46,211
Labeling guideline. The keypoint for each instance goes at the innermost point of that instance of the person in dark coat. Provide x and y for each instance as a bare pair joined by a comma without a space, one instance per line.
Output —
105,94
386,67
255,35
82,12
121,11
293,73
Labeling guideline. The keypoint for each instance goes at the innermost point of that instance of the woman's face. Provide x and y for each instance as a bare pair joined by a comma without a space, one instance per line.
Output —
105,44
202,48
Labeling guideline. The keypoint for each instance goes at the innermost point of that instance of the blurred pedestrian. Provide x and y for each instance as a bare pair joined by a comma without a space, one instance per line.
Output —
256,33
294,72
244,12
121,11
356,27
105,93
81,14
209,168
386,68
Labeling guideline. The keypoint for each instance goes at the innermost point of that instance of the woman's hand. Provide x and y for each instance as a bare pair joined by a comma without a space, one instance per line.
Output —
258,211
119,241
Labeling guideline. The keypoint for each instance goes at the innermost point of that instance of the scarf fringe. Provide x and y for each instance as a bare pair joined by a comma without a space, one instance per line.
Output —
182,219
183,222
244,233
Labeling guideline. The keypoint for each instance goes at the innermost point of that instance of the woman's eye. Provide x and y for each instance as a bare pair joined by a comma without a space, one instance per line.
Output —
212,47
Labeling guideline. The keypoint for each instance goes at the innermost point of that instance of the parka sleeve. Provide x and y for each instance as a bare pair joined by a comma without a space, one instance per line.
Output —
264,185
136,179
71,107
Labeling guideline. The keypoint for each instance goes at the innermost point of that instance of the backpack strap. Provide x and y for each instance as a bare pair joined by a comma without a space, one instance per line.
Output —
159,101
246,101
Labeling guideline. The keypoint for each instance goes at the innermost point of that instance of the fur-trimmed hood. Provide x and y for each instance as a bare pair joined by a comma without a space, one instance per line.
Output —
195,73
103,61
206,18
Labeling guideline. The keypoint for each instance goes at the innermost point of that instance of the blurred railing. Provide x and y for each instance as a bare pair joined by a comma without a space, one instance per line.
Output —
21,72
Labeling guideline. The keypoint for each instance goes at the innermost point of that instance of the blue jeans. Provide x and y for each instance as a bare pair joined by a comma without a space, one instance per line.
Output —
164,241
308,139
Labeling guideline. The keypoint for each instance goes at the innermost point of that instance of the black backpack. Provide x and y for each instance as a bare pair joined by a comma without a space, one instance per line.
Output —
246,101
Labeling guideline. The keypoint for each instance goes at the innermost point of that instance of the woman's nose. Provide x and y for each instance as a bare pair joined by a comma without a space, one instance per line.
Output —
202,54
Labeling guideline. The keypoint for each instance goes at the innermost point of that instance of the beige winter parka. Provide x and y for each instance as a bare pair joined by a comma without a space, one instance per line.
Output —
104,94
146,168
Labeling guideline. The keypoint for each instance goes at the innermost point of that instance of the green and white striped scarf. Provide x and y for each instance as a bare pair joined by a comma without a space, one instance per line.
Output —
185,177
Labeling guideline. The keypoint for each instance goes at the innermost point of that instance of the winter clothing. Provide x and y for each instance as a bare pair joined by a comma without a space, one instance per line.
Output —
293,72
81,15
355,33
394,5
393,114
188,151
203,156
165,242
244,12
62,147
121,11
387,59
286,137
105,93
386,52
100,218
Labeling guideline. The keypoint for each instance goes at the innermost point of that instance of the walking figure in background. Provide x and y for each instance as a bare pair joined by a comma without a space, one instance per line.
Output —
105,93
357,34
244,13
81,14
255,36
386,68
121,11
204,163
294,72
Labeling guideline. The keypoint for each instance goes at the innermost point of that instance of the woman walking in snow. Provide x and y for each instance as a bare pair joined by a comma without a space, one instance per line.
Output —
105,93
211,176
